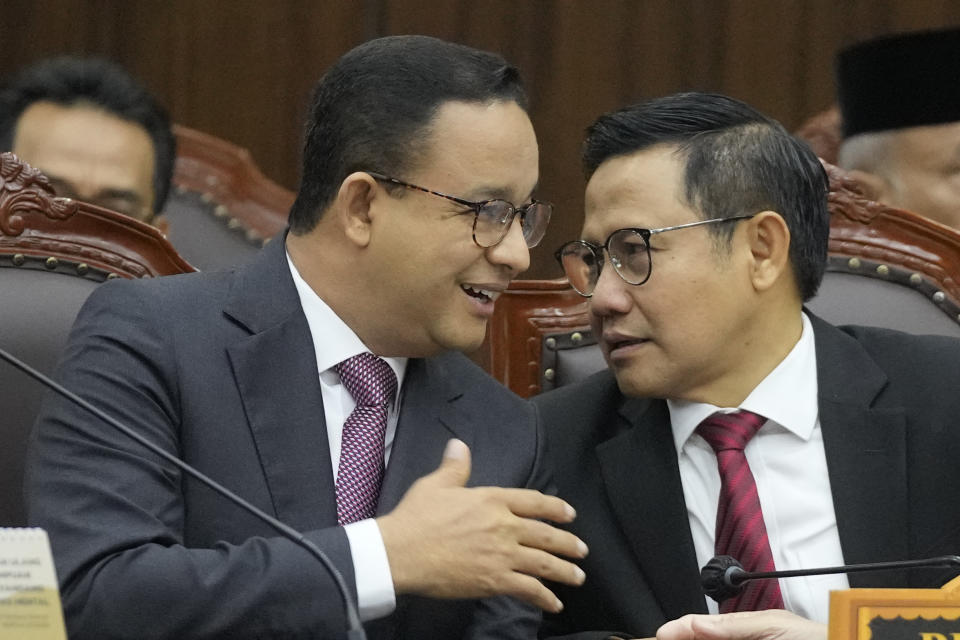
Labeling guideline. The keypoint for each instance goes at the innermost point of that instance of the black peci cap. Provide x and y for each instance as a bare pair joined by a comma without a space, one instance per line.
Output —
900,81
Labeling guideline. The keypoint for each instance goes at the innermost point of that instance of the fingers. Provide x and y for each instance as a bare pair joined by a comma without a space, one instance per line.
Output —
729,626
748,625
534,562
528,503
456,452
541,535
532,591
454,469
680,629
444,540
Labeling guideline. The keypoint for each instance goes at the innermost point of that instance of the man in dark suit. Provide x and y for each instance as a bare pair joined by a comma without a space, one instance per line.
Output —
706,230
318,383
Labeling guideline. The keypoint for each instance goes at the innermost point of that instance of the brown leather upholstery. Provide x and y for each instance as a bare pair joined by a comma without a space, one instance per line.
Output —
53,253
221,209
887,268
518,351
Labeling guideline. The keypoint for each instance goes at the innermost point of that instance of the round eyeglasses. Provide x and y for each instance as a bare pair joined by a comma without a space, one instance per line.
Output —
629,251
492,218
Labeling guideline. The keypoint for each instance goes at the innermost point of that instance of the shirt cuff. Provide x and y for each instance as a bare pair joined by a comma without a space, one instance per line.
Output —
371,569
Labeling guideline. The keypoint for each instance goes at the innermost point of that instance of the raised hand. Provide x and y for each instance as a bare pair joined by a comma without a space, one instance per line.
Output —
773,624
447,541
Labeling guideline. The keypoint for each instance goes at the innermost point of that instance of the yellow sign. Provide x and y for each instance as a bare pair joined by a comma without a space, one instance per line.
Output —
896,614
29,599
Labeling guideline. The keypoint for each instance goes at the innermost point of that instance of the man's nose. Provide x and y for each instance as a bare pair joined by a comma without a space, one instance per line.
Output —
512,251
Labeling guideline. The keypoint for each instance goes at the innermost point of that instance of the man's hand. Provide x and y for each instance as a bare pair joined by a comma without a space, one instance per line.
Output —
774,624
446,541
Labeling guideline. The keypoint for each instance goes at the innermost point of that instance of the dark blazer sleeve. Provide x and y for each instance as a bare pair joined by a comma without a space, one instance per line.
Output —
115,512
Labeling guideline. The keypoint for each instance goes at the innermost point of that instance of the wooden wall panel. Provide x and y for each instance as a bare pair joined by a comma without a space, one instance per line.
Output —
243,69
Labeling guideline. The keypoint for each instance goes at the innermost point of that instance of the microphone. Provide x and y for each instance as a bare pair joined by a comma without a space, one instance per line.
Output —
724,577
355,629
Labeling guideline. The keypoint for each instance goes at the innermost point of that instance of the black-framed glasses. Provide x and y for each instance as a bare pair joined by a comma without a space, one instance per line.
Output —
629,251
492,218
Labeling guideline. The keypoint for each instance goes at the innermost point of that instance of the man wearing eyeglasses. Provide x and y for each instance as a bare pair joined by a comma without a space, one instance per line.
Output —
732,421
321,382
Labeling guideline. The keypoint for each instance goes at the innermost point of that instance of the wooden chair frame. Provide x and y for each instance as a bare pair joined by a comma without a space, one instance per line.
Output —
41,231
224,177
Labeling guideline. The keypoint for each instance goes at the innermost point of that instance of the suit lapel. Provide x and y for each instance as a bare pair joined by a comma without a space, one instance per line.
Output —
866,454
276,373
642,481
429,416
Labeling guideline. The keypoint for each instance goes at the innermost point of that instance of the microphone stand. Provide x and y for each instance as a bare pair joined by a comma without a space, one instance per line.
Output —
724,577
354,627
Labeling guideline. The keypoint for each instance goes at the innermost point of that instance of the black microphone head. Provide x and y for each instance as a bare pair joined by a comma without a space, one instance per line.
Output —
715,578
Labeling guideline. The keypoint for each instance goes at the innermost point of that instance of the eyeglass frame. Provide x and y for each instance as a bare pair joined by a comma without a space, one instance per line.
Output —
597,250
475,208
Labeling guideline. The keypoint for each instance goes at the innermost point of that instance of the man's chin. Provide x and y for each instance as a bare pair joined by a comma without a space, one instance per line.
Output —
466,339
468,345
637,386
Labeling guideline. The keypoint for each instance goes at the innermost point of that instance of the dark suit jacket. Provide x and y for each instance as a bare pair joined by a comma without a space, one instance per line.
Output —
220,370
890,416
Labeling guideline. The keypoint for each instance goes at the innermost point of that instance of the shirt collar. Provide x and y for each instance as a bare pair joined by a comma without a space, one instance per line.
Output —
787,396
333,340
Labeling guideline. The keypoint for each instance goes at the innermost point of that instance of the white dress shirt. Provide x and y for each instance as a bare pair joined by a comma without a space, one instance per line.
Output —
334,342
789,464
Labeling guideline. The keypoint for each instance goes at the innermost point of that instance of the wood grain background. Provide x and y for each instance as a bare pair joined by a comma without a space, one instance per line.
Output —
243,69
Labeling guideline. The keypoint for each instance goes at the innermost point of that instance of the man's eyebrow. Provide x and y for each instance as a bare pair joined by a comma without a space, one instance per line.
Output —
57,181
116,194
497,193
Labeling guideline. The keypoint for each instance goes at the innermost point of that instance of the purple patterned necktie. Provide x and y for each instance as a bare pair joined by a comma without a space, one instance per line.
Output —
372,383
741,532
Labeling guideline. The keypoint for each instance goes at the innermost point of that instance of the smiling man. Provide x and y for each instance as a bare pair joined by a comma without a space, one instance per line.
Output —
323,383
731,420
94,130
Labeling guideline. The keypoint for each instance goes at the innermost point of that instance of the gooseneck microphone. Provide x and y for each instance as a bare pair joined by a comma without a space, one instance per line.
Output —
354,627
724,577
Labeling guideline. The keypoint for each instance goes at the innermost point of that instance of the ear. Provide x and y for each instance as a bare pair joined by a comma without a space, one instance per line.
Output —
769,240
875,186
353,207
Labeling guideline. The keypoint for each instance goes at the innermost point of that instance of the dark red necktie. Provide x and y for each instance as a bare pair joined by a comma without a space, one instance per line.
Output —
372,383
741,532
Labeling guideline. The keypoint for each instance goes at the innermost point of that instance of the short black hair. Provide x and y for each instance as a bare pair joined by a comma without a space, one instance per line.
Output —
372,110
737,161
103,84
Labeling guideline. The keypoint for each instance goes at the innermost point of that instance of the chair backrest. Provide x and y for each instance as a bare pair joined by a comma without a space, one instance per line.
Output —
539,331
221,208
887,268
53,253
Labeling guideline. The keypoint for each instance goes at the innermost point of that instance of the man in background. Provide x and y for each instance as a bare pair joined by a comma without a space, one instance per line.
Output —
900,105
731,420
93,130
322,382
